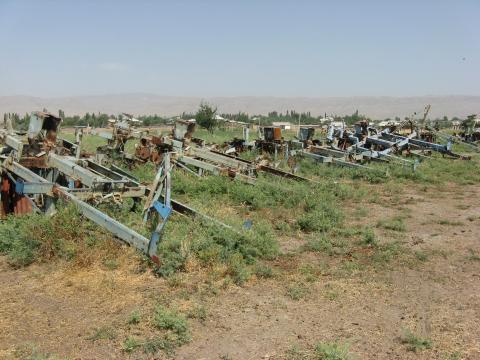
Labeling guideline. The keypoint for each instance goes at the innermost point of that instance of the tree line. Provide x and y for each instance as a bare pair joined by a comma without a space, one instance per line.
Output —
206,117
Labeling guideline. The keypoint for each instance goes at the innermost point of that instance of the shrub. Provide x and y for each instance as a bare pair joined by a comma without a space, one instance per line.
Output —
395,224
297,291
198,312
103,333
171,256
237,269
172,321
369,238
18,240
158,343
263,271
134,318
27,238
131,344
415,343
331,351
321,219
320,244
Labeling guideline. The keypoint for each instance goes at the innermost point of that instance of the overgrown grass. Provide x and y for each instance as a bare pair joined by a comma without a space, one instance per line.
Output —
211,244
278,208
89,142
433,171
219,135
309,208
28,238
359,247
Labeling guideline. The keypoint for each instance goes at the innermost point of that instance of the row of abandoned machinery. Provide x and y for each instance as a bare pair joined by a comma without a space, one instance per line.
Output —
38,168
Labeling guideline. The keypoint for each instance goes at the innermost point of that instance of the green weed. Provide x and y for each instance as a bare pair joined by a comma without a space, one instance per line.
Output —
320,218
415,343
453,356
198,312
421,255
103,333
449,222
295,353
160,343
263,271
174,322
134,318
332,351
319,244
395,224
360,213
472,255
385,253
131,344
369,238
28,238
297,291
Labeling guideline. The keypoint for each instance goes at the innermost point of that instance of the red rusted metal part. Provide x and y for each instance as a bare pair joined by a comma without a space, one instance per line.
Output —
156,140
155,259
142,152
13,202
22,205
34,162
155,157
5,191
277,134
231,173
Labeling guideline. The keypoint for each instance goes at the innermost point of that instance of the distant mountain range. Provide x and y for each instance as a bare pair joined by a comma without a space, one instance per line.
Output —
143,104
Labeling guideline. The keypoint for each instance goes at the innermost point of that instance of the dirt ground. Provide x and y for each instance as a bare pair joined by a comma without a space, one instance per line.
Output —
55,310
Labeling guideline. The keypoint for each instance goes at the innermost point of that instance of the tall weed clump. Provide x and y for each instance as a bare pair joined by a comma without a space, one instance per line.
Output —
210,245
36,237
321,213
17,240
309,207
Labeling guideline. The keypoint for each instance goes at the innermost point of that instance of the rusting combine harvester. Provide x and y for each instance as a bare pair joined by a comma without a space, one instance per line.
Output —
37,169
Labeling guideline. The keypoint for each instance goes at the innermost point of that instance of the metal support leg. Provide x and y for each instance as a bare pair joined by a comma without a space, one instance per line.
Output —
159,203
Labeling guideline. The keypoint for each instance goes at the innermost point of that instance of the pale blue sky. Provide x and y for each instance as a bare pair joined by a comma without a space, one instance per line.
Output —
231,48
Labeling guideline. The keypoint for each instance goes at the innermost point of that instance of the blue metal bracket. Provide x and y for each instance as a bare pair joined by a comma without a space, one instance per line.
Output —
163,210
164,213
19,186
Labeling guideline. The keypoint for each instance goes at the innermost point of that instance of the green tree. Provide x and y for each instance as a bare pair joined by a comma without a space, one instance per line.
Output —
469,123
205,116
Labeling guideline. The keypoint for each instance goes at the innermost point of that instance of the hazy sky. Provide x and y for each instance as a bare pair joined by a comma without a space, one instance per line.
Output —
243,47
